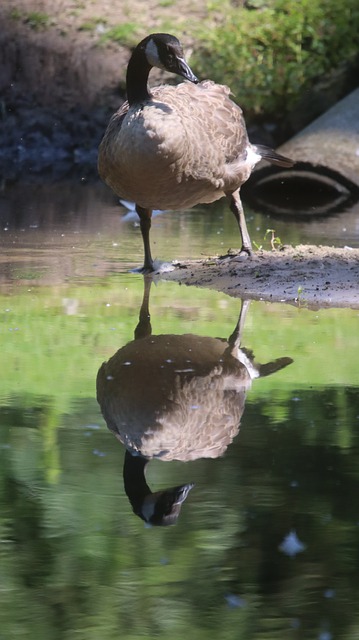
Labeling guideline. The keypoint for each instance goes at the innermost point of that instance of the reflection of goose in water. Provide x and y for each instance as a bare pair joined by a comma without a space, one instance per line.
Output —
175,397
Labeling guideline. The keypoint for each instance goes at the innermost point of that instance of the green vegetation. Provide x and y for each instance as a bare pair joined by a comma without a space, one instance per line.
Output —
59,352
270,52
16,14
125,34
271,55
274,243
76,563
92,24
37,20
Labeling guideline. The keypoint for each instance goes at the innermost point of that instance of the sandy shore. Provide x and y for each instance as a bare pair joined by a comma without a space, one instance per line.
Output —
304,275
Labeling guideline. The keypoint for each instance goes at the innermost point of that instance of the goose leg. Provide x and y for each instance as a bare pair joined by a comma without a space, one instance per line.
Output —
235,338
145,225
237,210
144,328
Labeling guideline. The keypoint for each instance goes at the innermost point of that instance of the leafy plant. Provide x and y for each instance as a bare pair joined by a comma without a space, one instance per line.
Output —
275,242
271,55
37,20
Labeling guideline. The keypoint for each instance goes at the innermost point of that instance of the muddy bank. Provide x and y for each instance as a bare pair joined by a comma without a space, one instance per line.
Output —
57,95
304,276
38,144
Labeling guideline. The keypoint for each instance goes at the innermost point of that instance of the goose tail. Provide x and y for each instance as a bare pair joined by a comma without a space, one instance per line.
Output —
273,157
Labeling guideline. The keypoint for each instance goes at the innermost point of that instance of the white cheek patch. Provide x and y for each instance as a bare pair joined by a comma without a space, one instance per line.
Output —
152,56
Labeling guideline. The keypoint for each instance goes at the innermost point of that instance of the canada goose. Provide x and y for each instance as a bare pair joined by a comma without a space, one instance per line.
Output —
175,397
174,147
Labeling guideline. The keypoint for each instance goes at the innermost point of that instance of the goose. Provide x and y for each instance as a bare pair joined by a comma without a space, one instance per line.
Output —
175,397
173,147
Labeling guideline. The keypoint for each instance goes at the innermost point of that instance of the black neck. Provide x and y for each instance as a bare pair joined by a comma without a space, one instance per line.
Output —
137,77
135,483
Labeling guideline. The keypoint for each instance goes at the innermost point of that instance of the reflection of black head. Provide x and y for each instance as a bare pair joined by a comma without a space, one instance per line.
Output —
161,508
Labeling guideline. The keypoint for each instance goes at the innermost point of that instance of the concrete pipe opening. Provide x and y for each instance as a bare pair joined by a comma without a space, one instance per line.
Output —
303,191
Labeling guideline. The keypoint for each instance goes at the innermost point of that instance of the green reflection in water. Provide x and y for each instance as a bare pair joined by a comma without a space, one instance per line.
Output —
53,338
76,563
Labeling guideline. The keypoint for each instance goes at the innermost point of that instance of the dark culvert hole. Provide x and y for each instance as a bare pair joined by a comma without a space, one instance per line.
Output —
302,191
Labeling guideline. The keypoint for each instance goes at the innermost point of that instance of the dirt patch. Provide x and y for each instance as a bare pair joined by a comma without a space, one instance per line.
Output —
304,276
72,53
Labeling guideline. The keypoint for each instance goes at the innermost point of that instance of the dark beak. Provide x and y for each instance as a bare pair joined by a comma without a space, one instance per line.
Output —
184,70
181,493
167,505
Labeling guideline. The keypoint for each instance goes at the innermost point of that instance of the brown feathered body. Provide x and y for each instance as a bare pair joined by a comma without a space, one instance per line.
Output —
174,397
186,145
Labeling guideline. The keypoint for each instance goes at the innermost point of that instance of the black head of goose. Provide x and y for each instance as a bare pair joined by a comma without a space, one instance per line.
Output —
159,508
173,147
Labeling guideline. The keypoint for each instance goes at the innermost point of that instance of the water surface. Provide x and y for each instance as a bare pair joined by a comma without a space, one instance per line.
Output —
69,229
267,542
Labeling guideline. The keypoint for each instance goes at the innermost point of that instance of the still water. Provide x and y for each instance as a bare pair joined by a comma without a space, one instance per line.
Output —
266,544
